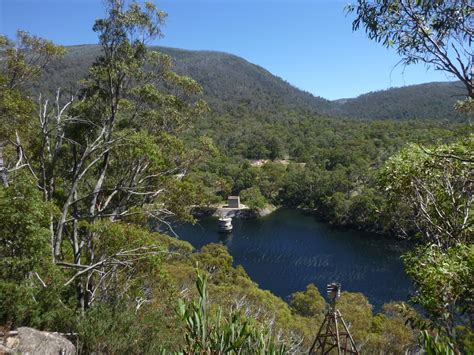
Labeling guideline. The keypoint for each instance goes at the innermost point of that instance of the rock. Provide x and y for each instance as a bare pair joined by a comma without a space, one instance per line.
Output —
268,209
12,342
242,213
5,350
203,211
32,341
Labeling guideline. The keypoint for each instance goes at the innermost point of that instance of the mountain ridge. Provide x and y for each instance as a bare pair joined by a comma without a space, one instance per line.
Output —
232,83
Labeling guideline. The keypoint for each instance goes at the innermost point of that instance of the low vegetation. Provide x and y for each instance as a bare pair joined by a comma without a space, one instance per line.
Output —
82,180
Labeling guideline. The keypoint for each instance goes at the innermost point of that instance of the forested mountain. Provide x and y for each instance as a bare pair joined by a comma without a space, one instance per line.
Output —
430,100
231,84
228,81
87,186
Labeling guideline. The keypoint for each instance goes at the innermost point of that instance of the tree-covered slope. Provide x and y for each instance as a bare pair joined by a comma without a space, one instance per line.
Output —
425,101
228,81
232,85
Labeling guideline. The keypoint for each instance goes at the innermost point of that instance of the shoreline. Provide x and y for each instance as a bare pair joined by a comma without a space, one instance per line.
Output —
241,213
249,213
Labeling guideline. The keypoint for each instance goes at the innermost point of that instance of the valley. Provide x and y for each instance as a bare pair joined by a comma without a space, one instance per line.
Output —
112,153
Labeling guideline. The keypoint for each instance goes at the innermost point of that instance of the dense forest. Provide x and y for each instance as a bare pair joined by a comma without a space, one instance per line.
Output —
230,83
256,115
136,137
424,101
331,166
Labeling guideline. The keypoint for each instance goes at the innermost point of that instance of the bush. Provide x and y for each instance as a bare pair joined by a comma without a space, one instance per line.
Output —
253,198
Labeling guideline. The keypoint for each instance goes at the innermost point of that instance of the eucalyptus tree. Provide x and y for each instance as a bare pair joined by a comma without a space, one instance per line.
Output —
437,33
435,187
437,184
21,62
111,155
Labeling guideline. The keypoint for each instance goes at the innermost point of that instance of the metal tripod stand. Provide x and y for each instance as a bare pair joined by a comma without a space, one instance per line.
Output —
330,335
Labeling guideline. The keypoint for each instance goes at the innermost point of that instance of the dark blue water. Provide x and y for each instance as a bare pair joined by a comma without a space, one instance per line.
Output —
287,250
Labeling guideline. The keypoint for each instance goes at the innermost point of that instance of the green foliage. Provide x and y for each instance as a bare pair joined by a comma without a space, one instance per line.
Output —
207,332
436,346
21,62
131,150
30,285
465,106
437,185
26,58
437,34
234,87
15,110
426,101
334,172
385,332
113,160
391,334
119,329
309,303
253,198
216,260
24,223
105,165
444,283
357,312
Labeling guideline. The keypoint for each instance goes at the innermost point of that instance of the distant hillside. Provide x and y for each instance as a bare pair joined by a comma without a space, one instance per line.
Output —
228,81
425,101
232,84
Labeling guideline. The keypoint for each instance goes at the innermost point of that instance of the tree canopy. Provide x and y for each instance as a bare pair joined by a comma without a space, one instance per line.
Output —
437,33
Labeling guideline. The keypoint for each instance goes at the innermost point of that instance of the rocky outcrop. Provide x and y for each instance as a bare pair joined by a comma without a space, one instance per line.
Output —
31,341
265,211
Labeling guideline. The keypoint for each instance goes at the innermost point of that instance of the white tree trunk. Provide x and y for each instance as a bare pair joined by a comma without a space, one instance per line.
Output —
3,169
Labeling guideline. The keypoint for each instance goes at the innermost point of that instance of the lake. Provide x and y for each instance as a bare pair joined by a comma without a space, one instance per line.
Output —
289,249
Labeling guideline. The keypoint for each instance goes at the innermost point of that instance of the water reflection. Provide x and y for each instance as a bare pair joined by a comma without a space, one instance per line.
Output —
226,239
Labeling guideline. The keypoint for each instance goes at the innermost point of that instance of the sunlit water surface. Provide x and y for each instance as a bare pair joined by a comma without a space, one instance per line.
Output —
289,249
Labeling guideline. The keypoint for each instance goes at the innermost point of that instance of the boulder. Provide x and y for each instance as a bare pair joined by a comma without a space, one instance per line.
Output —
32,341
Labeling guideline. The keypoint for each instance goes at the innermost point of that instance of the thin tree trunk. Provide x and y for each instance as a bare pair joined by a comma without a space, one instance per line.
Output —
3,169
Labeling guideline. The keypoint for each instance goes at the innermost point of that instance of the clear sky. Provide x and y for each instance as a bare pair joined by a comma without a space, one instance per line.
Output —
309,43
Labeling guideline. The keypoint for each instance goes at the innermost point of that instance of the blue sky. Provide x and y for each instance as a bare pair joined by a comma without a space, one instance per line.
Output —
309,43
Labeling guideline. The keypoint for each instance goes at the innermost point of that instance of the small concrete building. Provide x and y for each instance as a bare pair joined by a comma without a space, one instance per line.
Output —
233,202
